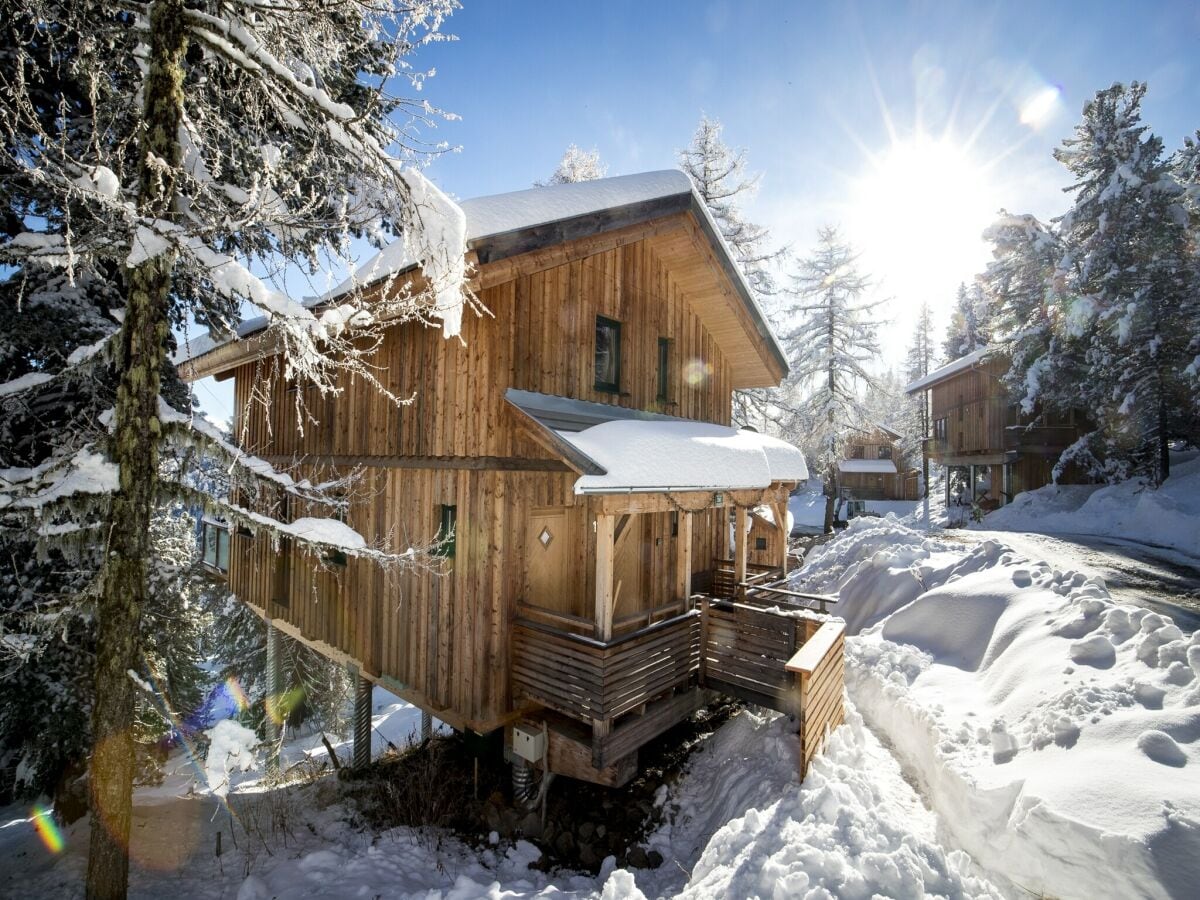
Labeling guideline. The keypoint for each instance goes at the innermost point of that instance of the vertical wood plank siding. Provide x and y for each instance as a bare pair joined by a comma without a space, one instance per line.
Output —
446,635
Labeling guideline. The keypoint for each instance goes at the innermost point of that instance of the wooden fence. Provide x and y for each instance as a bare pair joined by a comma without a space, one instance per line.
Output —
818,666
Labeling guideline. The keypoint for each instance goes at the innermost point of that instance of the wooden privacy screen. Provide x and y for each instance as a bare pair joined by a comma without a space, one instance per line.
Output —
819,667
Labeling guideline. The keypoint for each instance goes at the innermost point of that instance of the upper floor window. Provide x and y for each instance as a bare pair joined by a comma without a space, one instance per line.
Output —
447,526
856,451
216,545
608,355
664,368
885,451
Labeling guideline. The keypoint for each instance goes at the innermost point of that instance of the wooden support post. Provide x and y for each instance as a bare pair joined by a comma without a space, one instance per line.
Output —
740,540
683,561
780,510
274,691
362,719
600,730
605,537
703,674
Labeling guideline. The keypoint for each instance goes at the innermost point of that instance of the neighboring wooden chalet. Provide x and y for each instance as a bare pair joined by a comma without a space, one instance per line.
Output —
874,468
576,457
978,427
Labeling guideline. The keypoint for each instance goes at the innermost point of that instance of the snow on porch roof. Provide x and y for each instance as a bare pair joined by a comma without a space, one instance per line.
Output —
682,455
871,466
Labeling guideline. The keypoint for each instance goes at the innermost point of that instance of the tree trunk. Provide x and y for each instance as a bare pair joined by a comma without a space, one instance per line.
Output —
830,498
134,448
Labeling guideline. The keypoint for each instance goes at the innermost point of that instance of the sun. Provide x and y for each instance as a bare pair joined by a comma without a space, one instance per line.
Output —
917,214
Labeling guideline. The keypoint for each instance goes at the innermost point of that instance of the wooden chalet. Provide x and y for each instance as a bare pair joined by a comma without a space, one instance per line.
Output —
977,426
574,458
874,467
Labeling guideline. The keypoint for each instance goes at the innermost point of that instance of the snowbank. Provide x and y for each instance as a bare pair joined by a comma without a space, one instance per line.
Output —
1055,732
1169,516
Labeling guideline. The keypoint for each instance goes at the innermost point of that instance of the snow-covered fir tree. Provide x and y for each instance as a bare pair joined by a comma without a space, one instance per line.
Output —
718,173
576,165
913,422
155,156
970,322
1133,302
829,348
1185,167
1022,284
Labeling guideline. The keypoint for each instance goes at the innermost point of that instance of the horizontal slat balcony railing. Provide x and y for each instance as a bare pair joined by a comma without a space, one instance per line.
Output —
746,650
1039,439
591,680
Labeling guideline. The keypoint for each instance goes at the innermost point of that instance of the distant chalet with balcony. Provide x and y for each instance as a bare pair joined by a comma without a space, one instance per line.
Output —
578,448
977,426
874,466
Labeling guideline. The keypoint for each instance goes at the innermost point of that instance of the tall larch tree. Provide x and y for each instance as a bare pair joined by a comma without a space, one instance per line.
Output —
919,361
719,175
155,156
835,338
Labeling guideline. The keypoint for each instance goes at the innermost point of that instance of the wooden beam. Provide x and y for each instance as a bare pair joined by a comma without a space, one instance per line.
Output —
683,561
491,463
605,547
780,510
741,538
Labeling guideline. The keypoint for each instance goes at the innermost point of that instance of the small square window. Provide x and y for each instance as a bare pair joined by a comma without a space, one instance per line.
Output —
608,355
760,543
885,452
856,452
446,537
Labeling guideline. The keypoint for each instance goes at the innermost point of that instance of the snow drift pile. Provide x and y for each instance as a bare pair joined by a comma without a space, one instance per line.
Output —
1056,732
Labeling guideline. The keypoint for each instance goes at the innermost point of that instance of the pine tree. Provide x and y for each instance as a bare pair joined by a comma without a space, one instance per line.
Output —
970,322
836,336
576,165
1185,167
914,423
154,156
1126,240
718,173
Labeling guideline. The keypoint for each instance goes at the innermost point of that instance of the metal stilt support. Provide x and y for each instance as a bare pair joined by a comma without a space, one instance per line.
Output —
362,720
426,726
274,690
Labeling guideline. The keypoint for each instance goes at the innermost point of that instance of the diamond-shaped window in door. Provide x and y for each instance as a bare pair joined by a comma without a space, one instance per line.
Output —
545,536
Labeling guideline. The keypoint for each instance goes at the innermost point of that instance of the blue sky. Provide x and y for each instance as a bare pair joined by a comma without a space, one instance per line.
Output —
899,121
804,87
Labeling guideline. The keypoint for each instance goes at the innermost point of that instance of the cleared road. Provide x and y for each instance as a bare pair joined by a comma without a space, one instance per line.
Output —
1157,578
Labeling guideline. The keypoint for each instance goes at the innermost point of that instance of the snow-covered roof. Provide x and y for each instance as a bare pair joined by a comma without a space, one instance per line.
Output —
870,466
952,368
498,214
888,431
568,414
643,456
504,225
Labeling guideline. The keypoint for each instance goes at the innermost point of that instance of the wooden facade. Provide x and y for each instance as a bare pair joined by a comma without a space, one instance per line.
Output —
977,426
541,587
878,443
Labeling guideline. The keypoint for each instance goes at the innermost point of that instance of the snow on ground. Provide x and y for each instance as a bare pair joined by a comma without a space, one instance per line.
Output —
1167,516
1055,732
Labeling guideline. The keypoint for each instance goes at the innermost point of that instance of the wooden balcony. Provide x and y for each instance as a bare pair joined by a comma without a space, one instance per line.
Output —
632,688
1044,440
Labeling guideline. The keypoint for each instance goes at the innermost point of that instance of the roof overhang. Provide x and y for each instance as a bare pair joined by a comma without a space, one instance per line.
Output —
958,366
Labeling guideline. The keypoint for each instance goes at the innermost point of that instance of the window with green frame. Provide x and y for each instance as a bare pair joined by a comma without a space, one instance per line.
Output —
664,368
608,355
447,531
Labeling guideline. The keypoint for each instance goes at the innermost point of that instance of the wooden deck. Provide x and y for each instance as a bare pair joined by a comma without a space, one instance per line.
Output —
767,645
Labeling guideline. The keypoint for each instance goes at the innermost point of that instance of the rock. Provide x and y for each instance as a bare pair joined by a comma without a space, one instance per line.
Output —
565,844
588,856
638,858
654,858
601,830
586,830
531,825
492,817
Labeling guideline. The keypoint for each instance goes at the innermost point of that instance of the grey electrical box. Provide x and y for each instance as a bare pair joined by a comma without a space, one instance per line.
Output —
529,741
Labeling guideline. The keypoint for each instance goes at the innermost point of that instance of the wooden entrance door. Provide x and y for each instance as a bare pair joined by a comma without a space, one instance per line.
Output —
548,570
629,566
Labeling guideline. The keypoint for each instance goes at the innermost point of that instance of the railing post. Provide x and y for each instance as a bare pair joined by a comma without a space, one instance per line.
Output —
683,561
704,604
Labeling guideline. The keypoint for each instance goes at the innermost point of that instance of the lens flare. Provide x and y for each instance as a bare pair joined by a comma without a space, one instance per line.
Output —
47,829
1039,108
696,372
280,706
237,694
